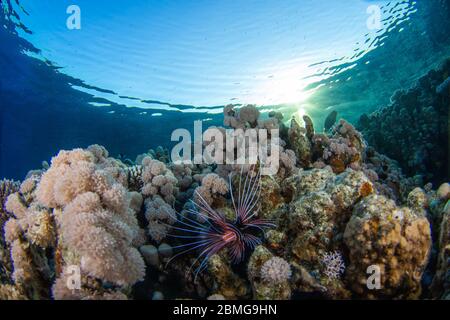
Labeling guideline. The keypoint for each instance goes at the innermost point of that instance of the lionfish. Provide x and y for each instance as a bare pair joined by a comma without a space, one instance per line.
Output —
215,232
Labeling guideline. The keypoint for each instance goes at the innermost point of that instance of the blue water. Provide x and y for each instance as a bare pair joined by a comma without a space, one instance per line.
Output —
137,70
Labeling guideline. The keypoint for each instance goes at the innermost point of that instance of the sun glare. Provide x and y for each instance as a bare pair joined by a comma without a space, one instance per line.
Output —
283,87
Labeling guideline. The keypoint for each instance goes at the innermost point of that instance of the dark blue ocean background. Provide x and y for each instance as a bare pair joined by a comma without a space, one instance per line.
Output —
44,109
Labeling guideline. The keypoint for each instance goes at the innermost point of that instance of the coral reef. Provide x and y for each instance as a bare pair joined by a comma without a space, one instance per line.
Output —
211,186
89,226
239,119
414,128
269,275
246,120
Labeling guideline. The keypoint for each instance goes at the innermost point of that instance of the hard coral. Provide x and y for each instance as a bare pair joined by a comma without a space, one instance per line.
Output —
397,240
344,148
414,127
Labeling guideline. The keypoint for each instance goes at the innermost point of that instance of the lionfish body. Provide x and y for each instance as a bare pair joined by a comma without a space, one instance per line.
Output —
215,232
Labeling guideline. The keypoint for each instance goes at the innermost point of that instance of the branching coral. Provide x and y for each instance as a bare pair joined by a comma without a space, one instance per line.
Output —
334,265
269,275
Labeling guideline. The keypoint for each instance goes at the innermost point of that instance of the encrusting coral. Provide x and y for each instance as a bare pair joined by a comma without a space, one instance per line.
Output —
397,240
335,208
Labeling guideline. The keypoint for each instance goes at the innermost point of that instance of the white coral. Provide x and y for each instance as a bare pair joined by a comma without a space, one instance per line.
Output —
212,186
276,270
98,224
158,180
334,264
160,216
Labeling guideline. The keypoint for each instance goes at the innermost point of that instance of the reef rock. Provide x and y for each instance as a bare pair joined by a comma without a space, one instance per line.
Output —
395,240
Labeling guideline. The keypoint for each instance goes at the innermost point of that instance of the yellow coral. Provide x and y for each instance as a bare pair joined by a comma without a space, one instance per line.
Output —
396,239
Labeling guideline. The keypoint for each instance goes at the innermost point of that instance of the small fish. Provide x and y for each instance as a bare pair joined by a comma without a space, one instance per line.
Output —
330,120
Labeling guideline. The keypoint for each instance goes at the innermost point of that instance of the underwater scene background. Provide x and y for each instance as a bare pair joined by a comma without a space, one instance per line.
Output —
141,74
359,91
